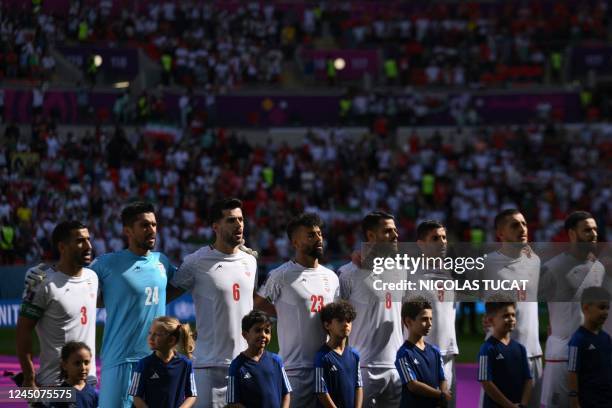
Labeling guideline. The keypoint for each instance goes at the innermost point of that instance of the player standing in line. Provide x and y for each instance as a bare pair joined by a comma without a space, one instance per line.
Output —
60,304
377,329
221,279
562,280
513,261
133,283
431,239
298,290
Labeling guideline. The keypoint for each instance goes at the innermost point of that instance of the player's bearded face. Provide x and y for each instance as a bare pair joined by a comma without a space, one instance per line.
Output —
230,229
143,231
310,242
586,235
80,247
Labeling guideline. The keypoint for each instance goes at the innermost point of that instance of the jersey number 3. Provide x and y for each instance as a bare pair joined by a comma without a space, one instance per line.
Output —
83,315
152,295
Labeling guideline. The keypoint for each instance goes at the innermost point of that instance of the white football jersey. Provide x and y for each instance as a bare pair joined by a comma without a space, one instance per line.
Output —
526,267
377,329
221,286
565,277
299,293
65,307
442,333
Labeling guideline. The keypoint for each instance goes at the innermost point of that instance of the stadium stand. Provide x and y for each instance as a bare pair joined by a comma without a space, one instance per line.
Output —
205,50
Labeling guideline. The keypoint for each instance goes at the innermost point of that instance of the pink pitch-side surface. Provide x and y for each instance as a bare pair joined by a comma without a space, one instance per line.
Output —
468,389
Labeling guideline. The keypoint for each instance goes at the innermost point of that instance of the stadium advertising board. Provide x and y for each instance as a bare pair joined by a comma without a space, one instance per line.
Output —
357,63
594,58
117,62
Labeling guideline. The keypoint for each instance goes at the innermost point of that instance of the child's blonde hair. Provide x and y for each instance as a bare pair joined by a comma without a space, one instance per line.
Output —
181,331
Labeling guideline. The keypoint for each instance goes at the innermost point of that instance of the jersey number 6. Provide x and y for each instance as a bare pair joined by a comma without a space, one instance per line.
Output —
236,291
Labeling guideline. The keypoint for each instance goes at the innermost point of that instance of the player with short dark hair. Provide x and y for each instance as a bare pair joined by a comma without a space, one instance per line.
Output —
503,369
515,260
419,363
59,302
218,208
133,287
257,377
590,348
562,281
425,227
221,279
337,373
298,291
131,212
377,328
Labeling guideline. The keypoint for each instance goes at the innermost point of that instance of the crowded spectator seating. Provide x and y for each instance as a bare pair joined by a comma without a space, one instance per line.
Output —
227,45
459,176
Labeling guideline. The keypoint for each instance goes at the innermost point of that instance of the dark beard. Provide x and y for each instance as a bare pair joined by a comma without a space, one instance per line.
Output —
316,253
144,245
231,241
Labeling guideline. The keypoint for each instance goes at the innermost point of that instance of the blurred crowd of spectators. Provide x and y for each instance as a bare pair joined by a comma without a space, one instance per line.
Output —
461,179
224,45
24,45
461,43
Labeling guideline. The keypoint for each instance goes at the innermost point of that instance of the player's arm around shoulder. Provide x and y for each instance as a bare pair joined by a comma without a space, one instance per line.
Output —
182,279
346,284
269,292
99,267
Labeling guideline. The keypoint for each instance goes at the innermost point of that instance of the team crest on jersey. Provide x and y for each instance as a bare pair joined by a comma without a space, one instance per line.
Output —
162,268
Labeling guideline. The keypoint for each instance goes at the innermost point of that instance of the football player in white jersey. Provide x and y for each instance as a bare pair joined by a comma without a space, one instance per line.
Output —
60,305
562,280
431,240
377,329
298,290
516,261
221,279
